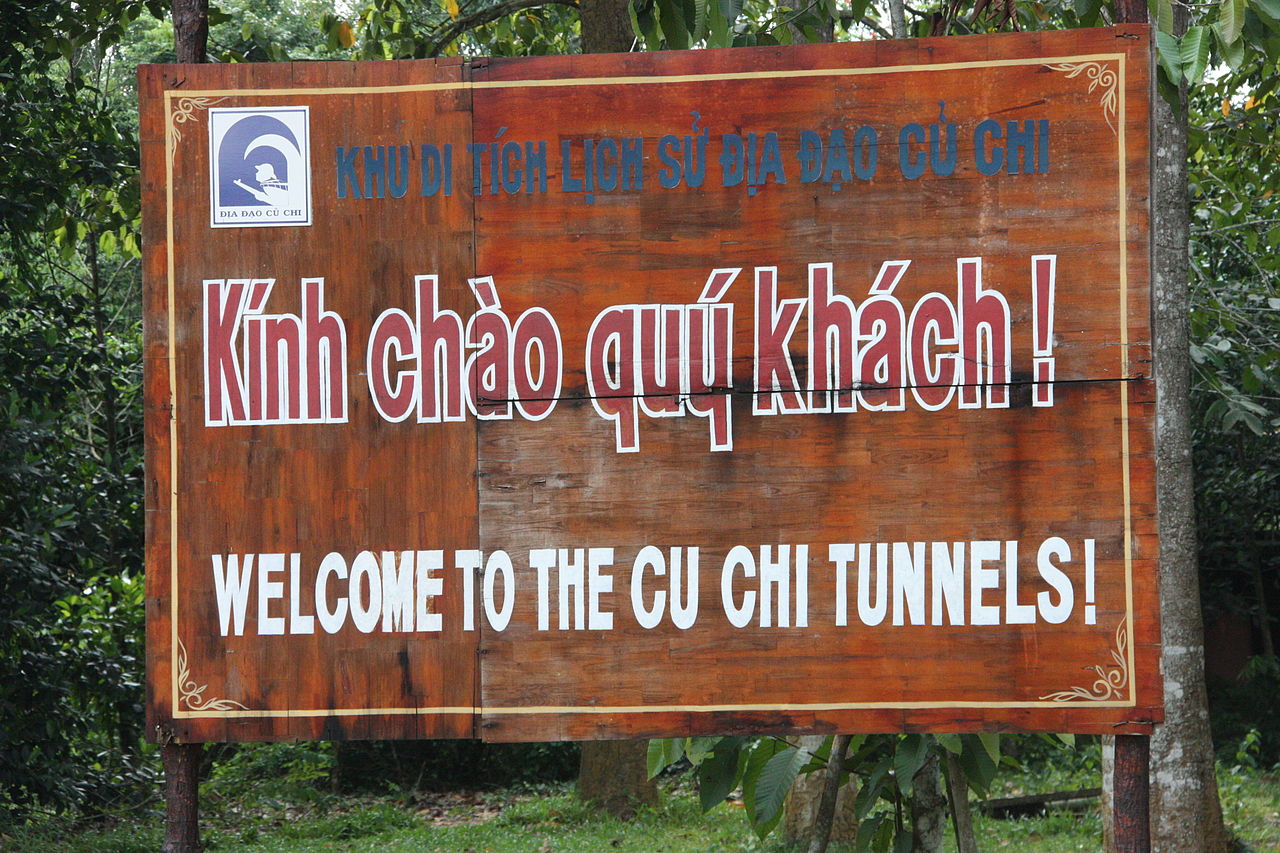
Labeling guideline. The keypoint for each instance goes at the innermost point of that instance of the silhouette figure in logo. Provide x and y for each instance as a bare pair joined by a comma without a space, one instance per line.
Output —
274,191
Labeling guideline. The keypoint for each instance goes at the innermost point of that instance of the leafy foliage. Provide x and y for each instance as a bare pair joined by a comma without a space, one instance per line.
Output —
394,29
70,431
1235,332
884,767
1246,719
271,31
440,765
1235,234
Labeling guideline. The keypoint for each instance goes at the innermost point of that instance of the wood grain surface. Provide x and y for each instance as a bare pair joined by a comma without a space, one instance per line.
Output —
574,518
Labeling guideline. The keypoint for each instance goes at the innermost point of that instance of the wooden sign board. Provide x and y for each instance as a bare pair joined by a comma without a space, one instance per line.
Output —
778,389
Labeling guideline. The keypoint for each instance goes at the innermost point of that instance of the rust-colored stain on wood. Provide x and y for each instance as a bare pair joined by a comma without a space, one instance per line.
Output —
763,390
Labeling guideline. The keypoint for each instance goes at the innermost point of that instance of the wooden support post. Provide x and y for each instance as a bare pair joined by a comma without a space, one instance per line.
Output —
181,796
1132,798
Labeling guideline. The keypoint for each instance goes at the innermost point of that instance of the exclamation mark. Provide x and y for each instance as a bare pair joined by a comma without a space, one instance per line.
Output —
1090,610
1044,270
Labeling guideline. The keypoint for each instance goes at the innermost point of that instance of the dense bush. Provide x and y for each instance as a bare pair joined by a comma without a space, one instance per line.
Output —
311,772
445,765
1246,717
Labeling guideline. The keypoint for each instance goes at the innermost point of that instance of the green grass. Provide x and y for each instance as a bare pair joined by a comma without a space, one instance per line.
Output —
1251,806
527,822
552,820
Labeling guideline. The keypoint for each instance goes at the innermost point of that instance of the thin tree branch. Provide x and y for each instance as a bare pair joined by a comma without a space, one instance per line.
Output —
1249,224
958,798
874,27
463,23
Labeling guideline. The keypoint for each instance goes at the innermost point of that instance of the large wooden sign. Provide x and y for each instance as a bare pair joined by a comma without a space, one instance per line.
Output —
780,389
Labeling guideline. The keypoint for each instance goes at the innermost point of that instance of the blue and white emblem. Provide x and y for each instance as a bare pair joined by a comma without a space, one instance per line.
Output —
259,166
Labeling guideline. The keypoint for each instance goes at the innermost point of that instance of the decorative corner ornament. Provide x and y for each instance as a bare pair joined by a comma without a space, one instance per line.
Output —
186,111
1110,683
1099,75
192,694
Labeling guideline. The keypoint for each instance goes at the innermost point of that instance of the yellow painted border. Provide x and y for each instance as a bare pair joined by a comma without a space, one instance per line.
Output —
171,95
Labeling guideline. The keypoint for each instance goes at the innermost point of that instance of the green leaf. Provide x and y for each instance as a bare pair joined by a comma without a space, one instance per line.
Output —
884,836
644,23
908,758
662,753
870,790
1268,12
1087,11
1170,54
1232,51
979,769
1162,15
719,32
851,759
1230,20
1194,53
1251,381
774,783
718,773
758,756
1169,90
950,742
991,743
701,12
867,833
698,748
672,22
1267,8
690,9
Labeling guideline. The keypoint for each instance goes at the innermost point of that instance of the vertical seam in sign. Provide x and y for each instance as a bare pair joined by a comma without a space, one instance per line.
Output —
467,73
170,357
1121,138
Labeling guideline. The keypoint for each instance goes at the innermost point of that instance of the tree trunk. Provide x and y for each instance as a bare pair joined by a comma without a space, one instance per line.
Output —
1131,818
1185,813
181,796
928,801
1108,793
824,819
802,806
191,30
928,807
613,774
898,18
181,761
606,26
